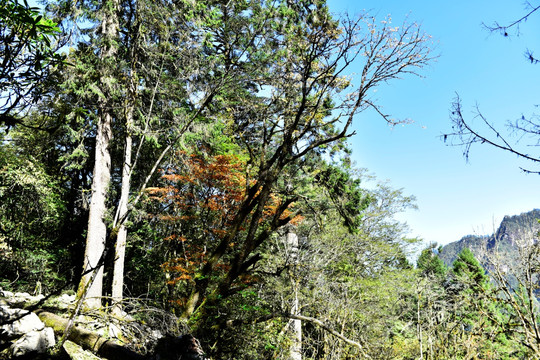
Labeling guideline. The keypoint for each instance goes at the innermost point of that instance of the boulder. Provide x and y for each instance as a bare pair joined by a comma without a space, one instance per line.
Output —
67,299
89,340
33,342
76,352
16,322
20,299
5,293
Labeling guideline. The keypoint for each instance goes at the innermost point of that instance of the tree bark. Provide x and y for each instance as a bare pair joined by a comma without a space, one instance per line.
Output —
296,324
121,217
97,228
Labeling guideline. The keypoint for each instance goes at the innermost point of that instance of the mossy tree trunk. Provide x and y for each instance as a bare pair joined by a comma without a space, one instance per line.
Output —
88,340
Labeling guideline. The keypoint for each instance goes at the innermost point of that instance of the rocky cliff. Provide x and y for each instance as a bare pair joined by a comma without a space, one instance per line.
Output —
513,232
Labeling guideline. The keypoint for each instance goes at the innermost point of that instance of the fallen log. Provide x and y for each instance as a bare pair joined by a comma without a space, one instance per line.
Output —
88,340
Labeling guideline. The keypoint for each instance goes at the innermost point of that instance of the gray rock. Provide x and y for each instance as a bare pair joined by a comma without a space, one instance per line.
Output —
157,334
16,322
33,342
63,302
67,299
115,331
76,352
21,299
5,293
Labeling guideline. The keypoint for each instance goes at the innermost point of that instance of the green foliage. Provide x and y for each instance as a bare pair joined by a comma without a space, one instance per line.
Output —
345,193
31,207
28,57
430,264
359,282
143,274
243,105
468,270
461,314
32,212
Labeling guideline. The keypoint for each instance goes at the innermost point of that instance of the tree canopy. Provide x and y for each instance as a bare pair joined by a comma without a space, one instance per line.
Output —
29,57
190,161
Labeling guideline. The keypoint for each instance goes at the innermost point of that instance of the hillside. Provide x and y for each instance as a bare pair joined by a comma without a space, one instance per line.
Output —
512,232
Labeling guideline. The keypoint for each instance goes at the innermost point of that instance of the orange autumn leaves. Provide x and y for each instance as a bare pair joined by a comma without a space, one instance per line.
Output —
200,199
202,186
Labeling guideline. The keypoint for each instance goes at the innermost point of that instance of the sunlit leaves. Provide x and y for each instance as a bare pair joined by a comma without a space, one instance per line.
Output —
201,199
27,55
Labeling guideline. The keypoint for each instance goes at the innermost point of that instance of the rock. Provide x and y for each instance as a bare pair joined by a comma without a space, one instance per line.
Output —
156,334
67,299
76,352
17,322
91,340
21,299
5,293
62,302
115,331
33,342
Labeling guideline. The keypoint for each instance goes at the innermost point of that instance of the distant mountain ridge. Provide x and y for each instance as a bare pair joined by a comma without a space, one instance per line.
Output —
513,232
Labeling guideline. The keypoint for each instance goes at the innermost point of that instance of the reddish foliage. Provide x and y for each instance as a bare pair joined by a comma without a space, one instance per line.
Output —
203,197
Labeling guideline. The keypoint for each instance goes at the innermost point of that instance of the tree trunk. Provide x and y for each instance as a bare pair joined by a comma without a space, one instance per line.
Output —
121,239
419,326
88,340
97,229
296,324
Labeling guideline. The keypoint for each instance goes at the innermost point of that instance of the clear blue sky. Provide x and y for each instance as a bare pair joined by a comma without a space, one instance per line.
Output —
455,198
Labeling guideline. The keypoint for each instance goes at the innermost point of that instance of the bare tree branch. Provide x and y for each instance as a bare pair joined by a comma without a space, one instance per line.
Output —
465,134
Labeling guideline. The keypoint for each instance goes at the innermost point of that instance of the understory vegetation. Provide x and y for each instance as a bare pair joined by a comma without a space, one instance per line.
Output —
190,158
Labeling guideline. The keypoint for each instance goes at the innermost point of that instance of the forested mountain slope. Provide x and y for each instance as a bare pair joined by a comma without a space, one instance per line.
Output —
513,232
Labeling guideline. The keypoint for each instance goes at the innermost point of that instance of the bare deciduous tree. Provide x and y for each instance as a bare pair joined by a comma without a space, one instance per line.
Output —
465,132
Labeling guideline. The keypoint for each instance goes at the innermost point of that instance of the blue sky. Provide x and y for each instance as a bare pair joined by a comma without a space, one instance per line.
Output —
455,198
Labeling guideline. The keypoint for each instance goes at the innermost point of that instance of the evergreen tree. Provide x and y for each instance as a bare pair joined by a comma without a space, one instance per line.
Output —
479,317
430,264
469,271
